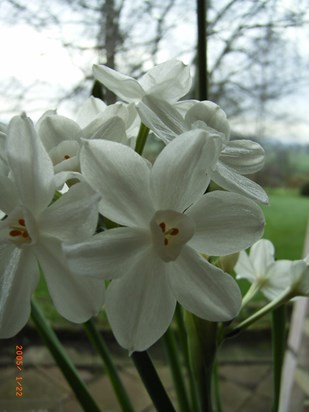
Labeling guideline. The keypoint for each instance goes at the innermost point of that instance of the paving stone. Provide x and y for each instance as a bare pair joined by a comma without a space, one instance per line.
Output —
105,397
265,387
256,403
42,391
233,395
246,375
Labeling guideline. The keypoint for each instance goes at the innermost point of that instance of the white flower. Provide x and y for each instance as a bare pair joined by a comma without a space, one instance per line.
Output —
62,137
237,157
155,260
262,271
32,234
168,81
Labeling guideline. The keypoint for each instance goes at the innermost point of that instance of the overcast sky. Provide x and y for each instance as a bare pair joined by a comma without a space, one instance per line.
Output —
39,61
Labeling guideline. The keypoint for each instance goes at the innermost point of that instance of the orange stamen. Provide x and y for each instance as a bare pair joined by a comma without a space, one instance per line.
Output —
25,234
21,222
15,233
162,226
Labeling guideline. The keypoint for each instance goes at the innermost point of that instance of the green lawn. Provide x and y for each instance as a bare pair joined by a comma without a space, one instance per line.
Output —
286,222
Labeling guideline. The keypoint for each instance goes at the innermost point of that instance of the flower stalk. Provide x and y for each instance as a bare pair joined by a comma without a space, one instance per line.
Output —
202,338
141,139
152,382
99,344
281,299
64,363
175,366
279,323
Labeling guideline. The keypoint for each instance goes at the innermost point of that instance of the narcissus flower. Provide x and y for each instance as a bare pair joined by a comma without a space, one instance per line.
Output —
155,259
237,157
62,137
262,271
33,230
167,81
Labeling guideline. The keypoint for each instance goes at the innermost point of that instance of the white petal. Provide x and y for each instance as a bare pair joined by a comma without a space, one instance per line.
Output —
161,117
140,305
18,279
179,174
109,254
31,166
55,129
279,279
244,156
77,299
65,156
89,111
62,177
112,129
244,268
74,216
211,114
9,198
123,86
121,176
203,289
225,223
262,255
168,81
230,180
300,277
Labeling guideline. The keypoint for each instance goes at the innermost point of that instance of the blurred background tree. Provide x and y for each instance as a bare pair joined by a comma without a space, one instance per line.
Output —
255,47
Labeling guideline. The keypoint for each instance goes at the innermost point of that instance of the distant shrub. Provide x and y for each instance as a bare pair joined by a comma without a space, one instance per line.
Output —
304,190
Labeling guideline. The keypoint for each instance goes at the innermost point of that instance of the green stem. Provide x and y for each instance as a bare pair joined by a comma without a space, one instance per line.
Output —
152,382
252,291
203,343
98,342
279,319
141,138
64,363
185,350
172,353
216,387
284,297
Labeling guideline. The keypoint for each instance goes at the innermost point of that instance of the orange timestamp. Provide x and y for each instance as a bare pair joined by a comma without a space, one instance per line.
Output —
19,365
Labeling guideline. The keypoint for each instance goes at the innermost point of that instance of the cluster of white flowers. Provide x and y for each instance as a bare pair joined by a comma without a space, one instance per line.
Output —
164,220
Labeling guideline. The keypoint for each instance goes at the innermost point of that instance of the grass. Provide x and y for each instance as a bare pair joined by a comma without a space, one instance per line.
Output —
286,222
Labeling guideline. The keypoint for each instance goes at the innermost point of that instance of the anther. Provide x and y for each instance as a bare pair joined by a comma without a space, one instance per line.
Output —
15,233
21,222
162,226
173,231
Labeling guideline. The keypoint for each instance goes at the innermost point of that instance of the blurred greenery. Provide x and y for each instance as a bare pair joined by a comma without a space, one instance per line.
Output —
286,222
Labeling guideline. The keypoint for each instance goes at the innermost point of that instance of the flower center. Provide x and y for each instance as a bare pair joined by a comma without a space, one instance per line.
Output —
19,232
65,156
174,231
170,231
